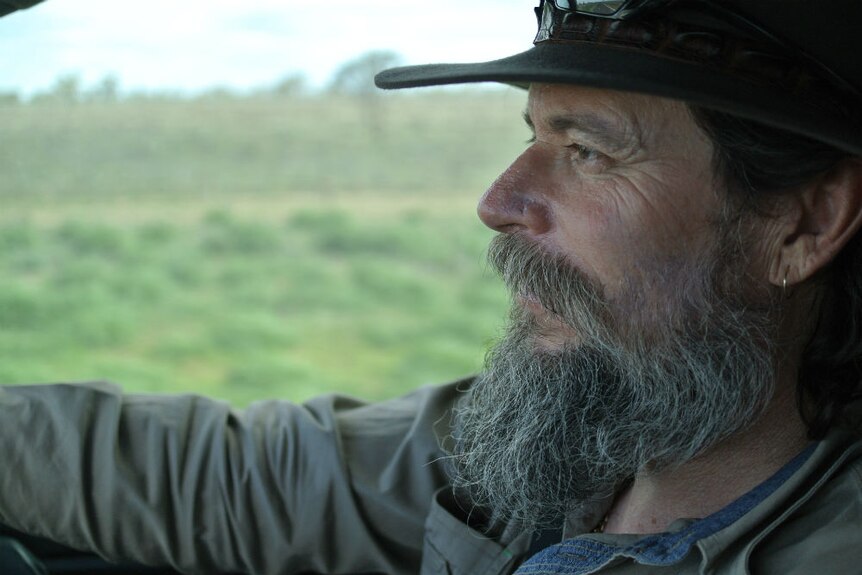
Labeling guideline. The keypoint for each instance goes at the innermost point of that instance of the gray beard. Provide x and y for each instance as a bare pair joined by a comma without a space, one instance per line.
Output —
650,385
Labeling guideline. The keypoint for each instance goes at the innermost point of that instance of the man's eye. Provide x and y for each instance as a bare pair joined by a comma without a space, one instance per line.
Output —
585,154
588,159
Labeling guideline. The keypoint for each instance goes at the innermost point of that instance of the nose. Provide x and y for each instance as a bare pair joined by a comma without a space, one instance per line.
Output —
514,202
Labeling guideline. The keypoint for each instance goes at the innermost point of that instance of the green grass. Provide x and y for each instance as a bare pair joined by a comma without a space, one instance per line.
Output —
244,309
249,249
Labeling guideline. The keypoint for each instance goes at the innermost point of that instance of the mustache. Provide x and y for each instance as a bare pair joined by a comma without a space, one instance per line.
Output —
529,270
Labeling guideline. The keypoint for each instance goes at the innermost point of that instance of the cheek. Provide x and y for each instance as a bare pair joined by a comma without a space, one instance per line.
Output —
597,236
622,227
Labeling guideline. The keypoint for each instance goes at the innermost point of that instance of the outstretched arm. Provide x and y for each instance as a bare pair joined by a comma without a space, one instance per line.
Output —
330,486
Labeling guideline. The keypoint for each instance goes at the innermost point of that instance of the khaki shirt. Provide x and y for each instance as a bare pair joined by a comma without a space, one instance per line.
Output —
336,486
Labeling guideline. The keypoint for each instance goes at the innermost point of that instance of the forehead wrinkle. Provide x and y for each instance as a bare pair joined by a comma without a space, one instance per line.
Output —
592,125
612,133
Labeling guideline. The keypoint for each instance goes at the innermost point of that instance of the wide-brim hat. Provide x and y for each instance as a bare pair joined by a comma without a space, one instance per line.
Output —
793,64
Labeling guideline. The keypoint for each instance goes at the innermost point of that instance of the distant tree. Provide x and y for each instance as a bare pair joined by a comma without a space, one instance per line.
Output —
217,94
9,98
291,85
356,77
65,90
106,90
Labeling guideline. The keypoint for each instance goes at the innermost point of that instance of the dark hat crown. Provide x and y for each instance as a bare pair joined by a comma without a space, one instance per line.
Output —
827,31
713,35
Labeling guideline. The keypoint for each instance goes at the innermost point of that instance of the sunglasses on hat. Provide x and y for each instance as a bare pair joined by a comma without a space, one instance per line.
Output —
620,9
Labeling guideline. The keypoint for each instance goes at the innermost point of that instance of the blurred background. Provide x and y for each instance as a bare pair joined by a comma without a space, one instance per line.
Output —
211,197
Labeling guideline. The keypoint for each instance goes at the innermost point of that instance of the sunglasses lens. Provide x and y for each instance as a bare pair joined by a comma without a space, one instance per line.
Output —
598,8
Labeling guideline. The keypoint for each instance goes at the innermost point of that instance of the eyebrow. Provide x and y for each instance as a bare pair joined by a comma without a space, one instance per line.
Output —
600,130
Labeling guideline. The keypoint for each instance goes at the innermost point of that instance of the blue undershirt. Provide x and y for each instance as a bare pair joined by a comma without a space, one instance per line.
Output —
583,555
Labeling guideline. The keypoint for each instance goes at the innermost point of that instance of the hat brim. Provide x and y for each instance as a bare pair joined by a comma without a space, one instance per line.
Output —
632,70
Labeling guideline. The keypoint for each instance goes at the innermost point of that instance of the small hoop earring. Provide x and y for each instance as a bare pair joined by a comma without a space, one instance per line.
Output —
784,286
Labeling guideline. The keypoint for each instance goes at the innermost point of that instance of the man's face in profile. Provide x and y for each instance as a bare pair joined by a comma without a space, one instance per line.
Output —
635,341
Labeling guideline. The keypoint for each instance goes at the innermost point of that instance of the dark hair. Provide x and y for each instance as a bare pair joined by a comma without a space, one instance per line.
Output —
755,162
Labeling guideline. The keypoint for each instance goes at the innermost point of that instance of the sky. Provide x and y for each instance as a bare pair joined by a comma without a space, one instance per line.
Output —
193,45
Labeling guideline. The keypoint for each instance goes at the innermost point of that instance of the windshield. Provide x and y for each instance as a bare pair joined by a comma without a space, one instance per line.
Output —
212,197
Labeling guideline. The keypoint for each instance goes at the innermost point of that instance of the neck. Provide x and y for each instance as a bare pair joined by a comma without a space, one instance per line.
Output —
713,480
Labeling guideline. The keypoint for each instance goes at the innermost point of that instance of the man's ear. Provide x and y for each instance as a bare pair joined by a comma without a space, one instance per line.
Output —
824,215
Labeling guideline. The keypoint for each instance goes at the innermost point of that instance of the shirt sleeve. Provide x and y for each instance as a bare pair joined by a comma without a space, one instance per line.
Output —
331,486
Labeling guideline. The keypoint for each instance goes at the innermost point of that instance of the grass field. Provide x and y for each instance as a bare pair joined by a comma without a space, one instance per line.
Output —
250,248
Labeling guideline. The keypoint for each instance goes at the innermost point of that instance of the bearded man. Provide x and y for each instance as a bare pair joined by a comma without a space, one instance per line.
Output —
676,392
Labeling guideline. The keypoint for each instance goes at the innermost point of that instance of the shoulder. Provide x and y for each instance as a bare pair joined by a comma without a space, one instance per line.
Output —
823,534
